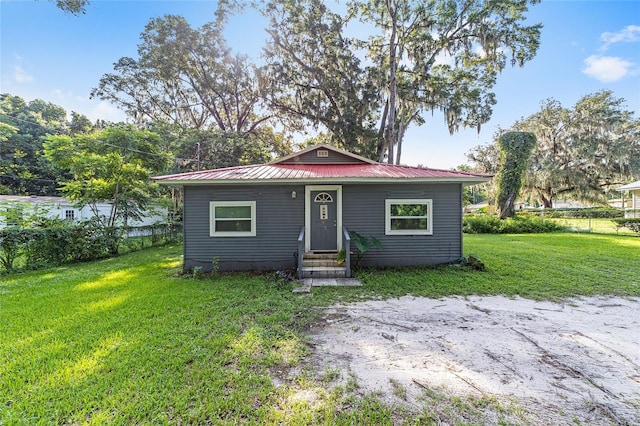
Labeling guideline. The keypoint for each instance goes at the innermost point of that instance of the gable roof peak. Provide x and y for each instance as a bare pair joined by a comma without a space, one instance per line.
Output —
355,157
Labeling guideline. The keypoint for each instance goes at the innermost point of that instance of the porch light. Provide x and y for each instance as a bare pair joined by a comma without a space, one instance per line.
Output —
293,194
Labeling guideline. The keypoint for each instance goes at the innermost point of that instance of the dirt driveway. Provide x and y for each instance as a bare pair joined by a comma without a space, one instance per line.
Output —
558,363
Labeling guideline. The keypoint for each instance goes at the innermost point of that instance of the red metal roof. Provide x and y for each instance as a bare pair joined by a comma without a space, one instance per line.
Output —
267,173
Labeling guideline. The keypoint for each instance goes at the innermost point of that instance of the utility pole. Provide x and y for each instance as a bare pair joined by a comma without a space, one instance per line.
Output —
198,156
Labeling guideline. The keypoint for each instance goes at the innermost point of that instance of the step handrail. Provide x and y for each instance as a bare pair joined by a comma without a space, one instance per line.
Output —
346,245
300,251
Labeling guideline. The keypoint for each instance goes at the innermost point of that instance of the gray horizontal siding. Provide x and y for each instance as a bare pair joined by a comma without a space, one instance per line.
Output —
364,212
279,219
311,157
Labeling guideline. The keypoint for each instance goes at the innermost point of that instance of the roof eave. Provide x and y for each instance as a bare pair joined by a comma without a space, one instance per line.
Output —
629,187
471,180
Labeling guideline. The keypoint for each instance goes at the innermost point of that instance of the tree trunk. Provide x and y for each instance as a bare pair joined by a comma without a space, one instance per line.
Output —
546,202
391,135
401,130
381,135
507,209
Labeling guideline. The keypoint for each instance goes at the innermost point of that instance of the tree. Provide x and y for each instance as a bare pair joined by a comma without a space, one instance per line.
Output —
114,164
79,124
23,170
441,54
483,159
75,7
316,76
189,78
6,131
472,36
583,151
515,149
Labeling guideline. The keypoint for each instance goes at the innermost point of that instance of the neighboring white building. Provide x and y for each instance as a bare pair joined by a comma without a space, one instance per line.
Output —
633,210
62,208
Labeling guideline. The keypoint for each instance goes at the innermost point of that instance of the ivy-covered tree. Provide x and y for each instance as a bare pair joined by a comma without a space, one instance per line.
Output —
515,149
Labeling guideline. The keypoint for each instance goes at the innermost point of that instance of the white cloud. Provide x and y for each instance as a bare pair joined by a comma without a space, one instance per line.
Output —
105,111
20,75
61,95
607,68
629,34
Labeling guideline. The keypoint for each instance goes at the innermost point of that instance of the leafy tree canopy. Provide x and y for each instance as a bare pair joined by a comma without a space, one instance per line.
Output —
113,165
581,152
422,56
189,78
23,170
75,7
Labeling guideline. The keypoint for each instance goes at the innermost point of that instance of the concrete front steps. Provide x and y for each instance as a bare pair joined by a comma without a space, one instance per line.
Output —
322,265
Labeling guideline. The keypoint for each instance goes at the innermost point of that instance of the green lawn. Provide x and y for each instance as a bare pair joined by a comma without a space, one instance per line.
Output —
127,340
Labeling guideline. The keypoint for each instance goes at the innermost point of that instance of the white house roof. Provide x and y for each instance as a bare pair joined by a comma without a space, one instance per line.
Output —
33,199
630,186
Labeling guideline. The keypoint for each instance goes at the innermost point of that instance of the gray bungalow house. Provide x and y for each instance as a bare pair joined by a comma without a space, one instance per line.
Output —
298,211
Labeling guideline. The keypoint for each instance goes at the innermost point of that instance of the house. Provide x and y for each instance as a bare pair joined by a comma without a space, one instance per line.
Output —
632,210
16,207
298,212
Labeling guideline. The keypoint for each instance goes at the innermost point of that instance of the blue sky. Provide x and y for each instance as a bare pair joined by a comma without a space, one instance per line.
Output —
586,46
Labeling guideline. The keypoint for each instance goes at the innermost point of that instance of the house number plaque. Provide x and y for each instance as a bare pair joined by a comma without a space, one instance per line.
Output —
324,212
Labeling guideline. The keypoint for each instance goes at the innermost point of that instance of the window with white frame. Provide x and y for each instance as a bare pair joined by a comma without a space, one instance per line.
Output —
69,214
408,217
232,218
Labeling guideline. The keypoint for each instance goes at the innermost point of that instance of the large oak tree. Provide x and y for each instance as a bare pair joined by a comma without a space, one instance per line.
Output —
187,77
414,57
581,152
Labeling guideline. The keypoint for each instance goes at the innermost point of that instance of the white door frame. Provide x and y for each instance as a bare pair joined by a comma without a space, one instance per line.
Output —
307,212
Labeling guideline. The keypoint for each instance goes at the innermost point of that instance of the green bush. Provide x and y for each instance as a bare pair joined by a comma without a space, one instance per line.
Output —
591,212
12,242
633,224
48,246
521,224
61,242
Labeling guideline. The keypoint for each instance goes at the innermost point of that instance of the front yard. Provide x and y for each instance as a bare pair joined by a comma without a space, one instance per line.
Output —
128,340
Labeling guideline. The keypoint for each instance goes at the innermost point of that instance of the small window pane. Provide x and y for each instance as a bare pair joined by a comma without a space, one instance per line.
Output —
233,212
409,210
233,226
232,219
412,224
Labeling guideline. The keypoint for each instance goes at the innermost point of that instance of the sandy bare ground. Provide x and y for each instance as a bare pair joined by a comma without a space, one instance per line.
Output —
559,362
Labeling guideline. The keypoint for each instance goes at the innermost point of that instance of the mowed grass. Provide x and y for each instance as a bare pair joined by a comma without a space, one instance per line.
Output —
128,341
536,266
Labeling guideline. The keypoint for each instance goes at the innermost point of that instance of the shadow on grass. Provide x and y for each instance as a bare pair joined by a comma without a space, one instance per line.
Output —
124,340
